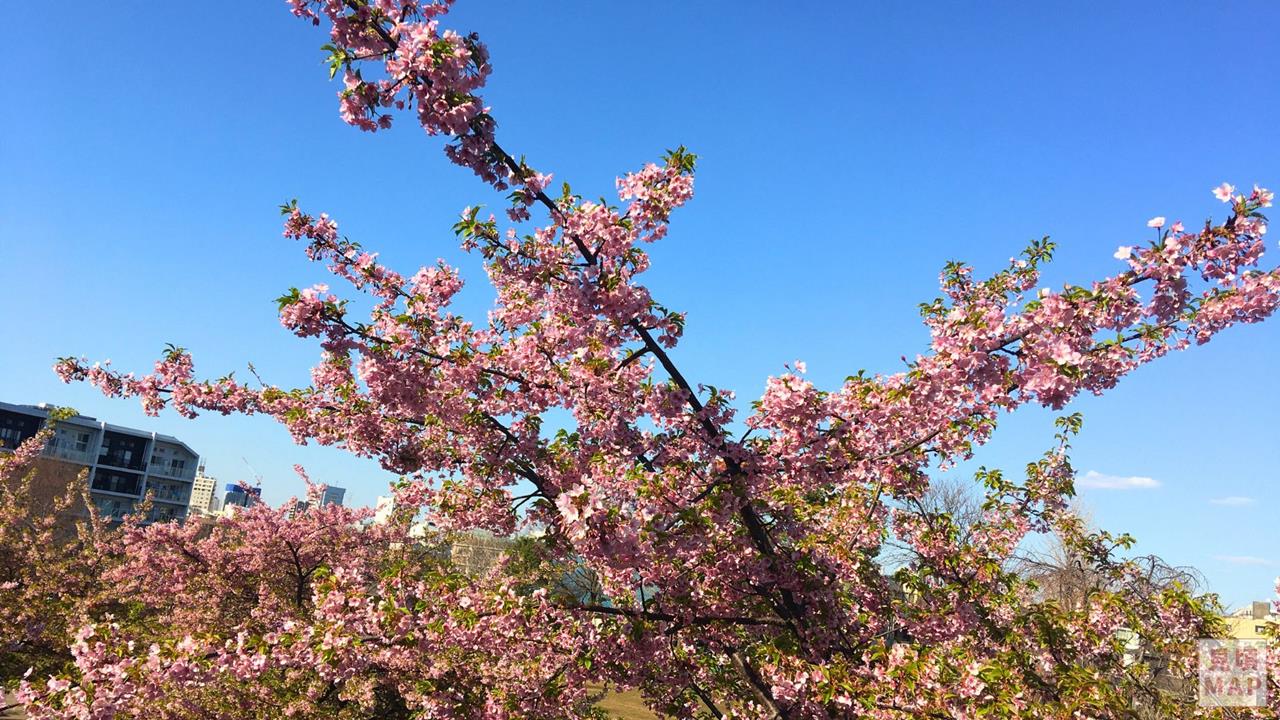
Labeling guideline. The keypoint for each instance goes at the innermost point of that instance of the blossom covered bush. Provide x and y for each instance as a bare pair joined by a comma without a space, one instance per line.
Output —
49,556
273,612
316,612
737,552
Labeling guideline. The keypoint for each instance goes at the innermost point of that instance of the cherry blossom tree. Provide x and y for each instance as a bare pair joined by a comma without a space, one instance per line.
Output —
49,557
736,552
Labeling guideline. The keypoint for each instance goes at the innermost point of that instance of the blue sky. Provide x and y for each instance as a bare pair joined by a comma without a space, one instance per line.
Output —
847,151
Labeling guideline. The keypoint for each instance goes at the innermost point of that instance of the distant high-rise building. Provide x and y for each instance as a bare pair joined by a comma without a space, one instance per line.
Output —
202,493
124,464
237,495
332,495
383,508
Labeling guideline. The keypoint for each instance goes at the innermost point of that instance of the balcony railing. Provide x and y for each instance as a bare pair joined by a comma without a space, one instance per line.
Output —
61,452
170,497
118,460
117,484
169,471
113,514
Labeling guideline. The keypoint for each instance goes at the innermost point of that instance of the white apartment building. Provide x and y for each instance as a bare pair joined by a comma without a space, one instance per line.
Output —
202,488
124,464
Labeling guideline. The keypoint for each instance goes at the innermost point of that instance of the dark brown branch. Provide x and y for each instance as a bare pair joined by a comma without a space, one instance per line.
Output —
635,355
758,686
698,620
751,519
706,699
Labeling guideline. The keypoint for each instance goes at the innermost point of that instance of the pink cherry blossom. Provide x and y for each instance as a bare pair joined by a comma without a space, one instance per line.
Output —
1262,196
725,560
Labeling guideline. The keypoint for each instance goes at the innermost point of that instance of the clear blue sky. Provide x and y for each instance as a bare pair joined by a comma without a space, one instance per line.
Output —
848,150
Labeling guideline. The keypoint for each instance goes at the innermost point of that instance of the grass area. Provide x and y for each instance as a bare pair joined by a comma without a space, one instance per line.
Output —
13,713
626,706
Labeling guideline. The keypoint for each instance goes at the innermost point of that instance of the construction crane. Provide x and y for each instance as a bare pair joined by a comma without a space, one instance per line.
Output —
257,476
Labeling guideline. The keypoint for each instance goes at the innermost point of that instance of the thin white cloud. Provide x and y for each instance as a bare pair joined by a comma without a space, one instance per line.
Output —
1102,481
1233,500
1242,560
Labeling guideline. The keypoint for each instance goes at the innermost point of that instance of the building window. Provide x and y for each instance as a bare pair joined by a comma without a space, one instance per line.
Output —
10,437
16,427
113,481
70,440
122,451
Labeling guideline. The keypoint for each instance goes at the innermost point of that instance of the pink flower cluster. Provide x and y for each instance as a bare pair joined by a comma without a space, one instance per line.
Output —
436,72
